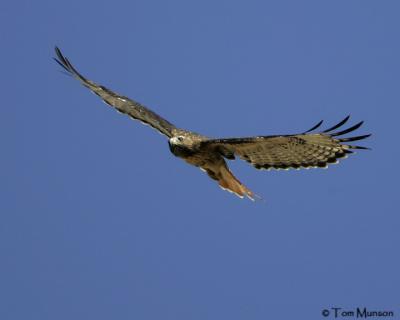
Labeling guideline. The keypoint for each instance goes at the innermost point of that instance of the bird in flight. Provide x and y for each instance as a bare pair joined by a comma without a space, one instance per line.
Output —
304,150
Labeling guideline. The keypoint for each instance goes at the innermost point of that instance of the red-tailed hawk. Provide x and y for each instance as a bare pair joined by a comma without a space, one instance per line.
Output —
296,151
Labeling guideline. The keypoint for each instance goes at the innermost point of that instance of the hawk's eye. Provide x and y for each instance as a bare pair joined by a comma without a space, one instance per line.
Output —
180,139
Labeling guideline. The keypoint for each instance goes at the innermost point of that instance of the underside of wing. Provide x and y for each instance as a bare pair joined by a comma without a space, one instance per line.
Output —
121,103
303,150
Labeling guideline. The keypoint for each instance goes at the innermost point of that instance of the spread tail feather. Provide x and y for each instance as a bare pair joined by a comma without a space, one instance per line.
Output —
229,182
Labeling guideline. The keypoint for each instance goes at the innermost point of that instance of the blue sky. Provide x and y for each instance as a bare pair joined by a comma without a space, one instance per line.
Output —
100,221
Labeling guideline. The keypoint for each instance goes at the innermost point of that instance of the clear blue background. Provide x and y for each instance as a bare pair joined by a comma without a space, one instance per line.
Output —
100,221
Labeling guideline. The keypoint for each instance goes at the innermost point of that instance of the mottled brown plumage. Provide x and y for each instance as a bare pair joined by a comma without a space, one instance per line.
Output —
296,151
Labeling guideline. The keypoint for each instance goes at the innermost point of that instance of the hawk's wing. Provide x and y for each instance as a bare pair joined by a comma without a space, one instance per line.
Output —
290,151
121,103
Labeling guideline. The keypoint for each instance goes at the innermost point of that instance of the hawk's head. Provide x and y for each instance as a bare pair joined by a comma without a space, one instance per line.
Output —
178,140
181,146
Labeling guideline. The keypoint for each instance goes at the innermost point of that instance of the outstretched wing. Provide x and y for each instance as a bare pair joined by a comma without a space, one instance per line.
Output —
121,103
290,151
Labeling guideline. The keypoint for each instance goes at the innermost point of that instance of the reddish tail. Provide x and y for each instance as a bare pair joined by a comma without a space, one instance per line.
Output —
229,182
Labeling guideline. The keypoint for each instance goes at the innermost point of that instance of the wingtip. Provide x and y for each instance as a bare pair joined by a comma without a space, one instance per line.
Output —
60,59
359,147
353,128
337,125
314,127
59,53
355,138
66,64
